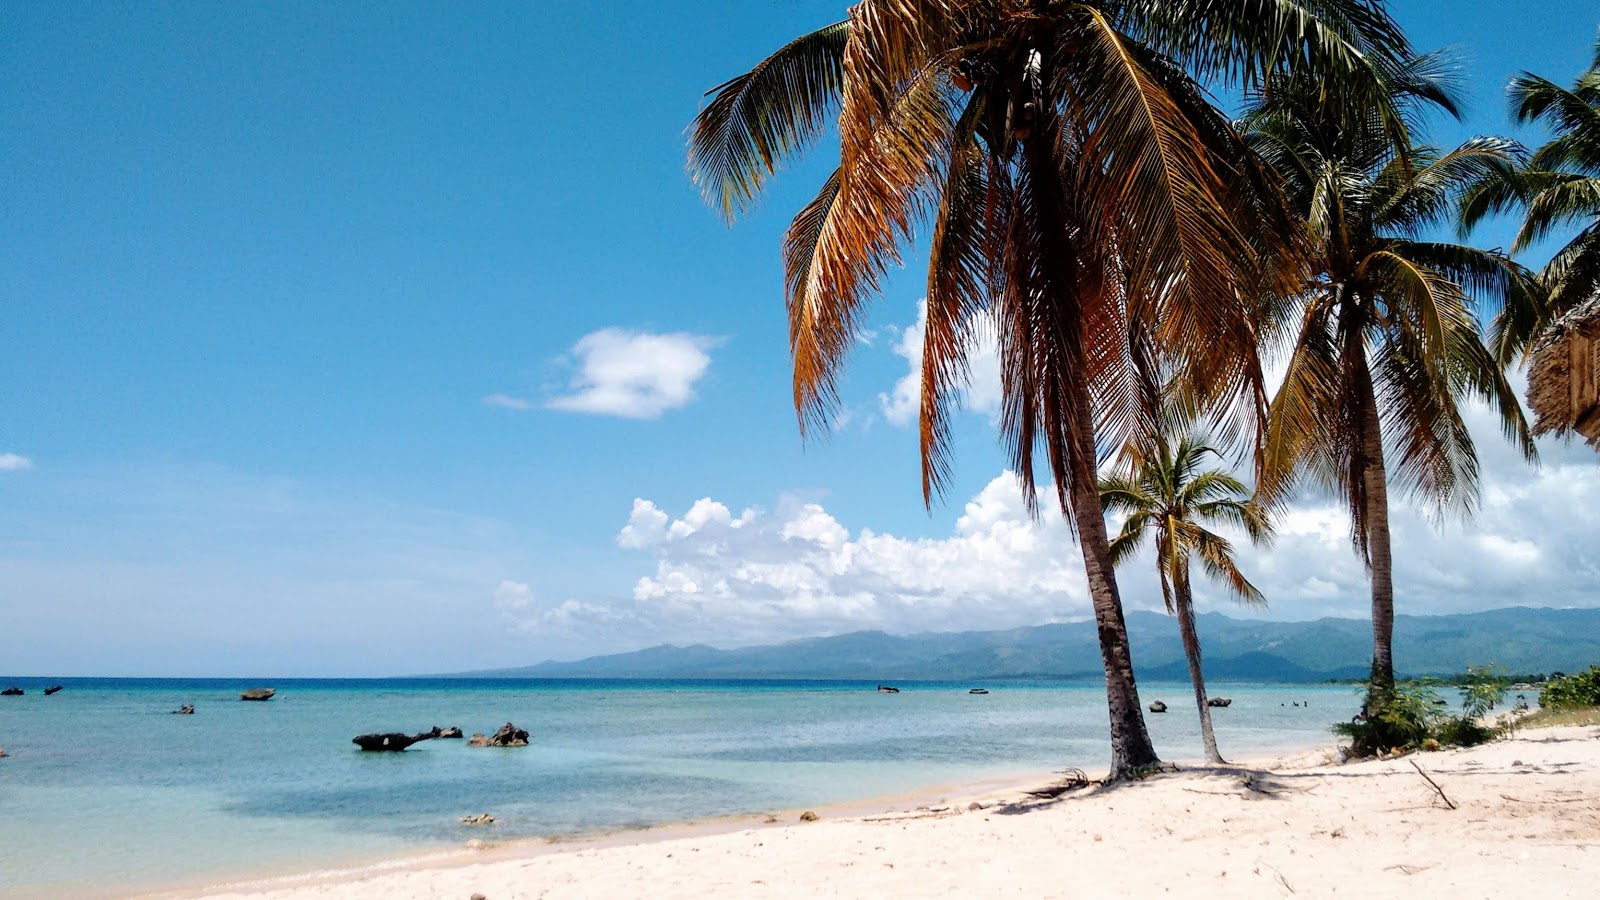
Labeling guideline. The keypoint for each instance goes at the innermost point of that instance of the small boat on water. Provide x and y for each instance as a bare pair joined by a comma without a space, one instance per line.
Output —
977,691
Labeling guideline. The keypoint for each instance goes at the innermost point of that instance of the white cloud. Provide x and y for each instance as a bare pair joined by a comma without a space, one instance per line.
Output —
902,404
506,401
759,576
633,374
511,596
12,462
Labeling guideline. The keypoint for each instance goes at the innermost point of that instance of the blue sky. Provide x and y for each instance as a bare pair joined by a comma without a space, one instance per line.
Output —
347,340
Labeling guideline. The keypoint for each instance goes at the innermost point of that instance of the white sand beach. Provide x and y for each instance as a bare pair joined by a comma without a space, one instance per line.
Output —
1526,823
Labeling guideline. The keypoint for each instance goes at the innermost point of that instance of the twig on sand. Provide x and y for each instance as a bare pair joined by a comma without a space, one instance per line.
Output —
1435,784
1552,800
1281,880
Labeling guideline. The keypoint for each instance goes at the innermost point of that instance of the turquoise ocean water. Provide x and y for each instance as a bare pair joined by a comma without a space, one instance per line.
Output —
106,793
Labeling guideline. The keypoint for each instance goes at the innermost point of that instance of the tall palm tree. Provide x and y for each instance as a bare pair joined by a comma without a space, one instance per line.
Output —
1164,492
1558,187
1386,343
1078,188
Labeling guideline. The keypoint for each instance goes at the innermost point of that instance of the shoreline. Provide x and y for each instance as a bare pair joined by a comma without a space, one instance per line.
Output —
935,799
1514,817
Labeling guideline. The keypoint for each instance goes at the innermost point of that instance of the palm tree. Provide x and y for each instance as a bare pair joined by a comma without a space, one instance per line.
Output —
1559,186
1078,188
1386,343
1165,492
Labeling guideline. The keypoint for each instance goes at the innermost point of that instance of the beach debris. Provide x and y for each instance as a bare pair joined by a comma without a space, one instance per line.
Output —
185,710
974,806
1071,780
1158,707
808,816
1433,784
258,694
12,692
454,731
885,689
479,819
508,735
1222,701
54,688
392,741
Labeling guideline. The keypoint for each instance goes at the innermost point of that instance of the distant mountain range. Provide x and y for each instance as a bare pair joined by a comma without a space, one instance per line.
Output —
1521,639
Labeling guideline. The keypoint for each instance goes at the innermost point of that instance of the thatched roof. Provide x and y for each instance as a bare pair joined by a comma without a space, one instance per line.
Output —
1563,373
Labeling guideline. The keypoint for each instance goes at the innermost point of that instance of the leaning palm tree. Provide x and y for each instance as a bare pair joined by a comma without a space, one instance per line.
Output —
1077,187
1163,491
1558,187
1386,344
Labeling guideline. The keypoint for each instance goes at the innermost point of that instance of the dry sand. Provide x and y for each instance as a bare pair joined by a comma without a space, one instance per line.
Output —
1526,824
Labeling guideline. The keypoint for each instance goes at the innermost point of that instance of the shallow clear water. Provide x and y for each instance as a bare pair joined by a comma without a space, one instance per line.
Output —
105,792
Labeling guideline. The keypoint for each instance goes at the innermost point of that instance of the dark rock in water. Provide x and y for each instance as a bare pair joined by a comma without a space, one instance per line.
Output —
3,753
258,694
1158,706
51,690
509,735
885,689
12,692
480,819
185,710
1219,701
451,732
392,741
977,691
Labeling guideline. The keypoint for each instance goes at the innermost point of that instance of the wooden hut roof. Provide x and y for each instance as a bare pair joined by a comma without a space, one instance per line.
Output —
1564,374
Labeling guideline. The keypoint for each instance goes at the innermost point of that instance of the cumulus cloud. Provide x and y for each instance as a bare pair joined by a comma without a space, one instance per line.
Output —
506,401
633,374
511,596
902,403
759,576
12,462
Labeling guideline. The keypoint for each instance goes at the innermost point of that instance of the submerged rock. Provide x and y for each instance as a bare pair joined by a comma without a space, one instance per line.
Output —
12,692
3,753
258,694
1158,706
451,732
52,689
509,735
885,689
1220,701
185,710
479,819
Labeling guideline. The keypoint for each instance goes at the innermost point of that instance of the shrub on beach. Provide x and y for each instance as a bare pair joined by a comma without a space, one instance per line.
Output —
1582,689
1416,717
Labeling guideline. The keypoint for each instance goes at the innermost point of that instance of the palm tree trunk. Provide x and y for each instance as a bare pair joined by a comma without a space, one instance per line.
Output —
1131,749
1183,598
1375,482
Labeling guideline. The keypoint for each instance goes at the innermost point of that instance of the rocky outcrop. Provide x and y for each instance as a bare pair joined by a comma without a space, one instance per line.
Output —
1219,701
1158,706
479,819
258,694
52,689
12,692
392,741
885,689
185,710
509,735
451,732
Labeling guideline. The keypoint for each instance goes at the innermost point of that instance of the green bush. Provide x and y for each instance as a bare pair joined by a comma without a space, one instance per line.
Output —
1415,717
1582,689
